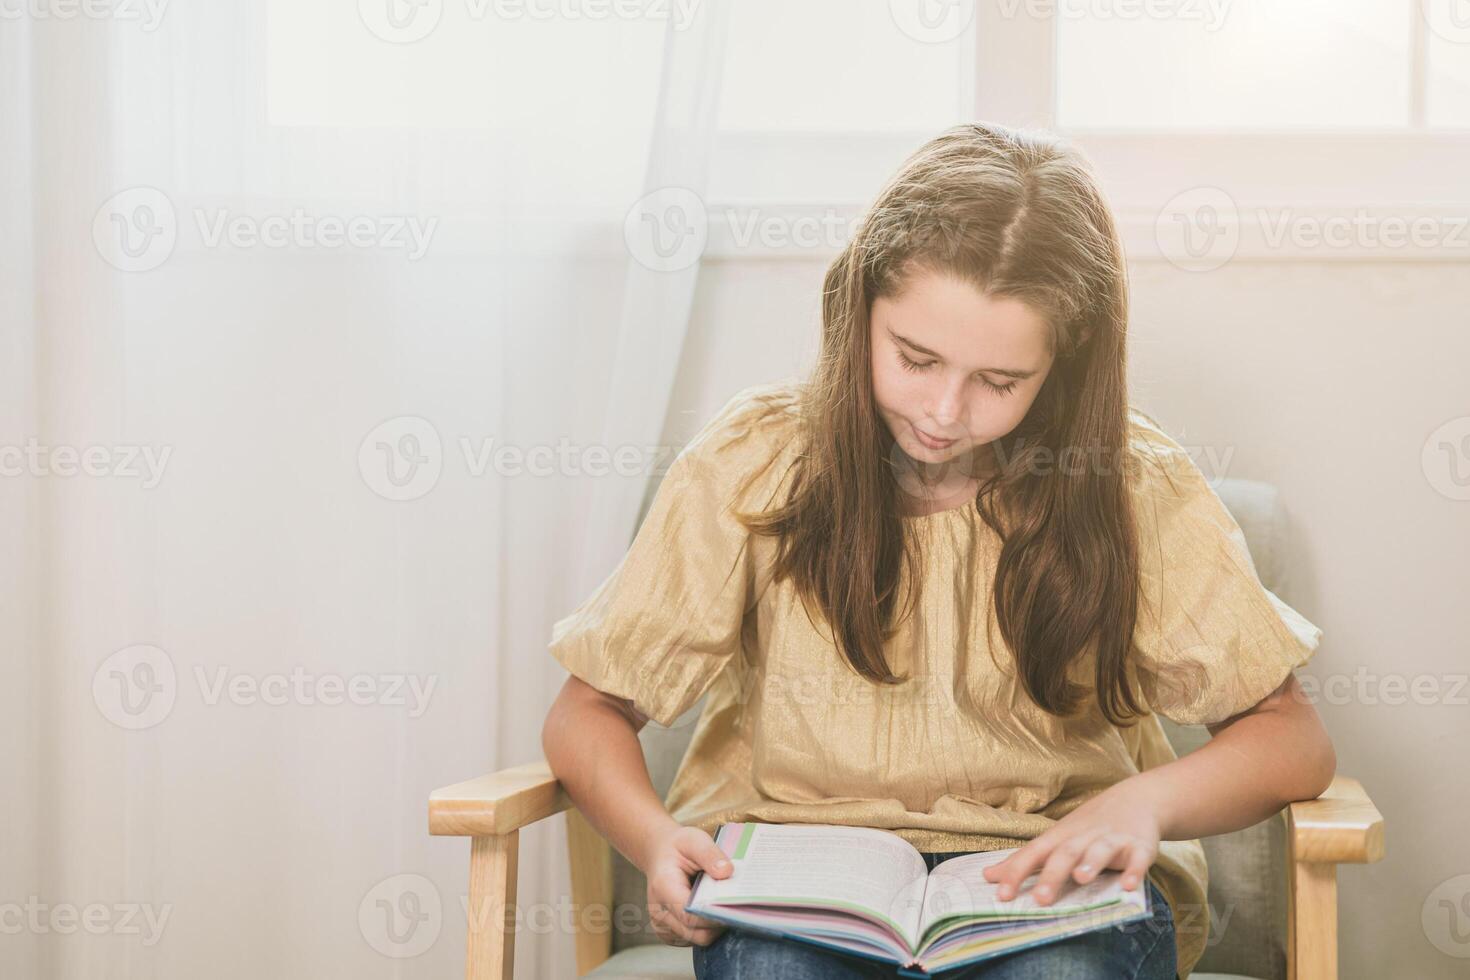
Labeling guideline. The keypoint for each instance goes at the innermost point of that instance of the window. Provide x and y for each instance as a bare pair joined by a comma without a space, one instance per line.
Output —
1282,122
1323,106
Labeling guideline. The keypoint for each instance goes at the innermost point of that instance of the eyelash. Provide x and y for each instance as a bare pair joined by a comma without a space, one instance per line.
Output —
914,366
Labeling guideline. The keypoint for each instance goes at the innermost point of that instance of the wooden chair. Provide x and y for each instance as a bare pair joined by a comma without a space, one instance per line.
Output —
1278,879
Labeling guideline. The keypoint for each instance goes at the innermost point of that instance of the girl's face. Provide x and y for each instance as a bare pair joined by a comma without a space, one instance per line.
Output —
954,370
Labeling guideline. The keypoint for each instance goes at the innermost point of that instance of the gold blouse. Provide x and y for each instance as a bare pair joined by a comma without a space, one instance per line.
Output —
790,733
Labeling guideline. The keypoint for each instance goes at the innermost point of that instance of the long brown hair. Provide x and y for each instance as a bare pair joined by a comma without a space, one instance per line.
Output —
1016,213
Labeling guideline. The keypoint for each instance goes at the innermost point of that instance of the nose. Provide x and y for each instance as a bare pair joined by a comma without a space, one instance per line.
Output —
946,413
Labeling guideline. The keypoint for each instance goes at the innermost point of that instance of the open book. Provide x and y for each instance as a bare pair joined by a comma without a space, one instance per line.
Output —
869,892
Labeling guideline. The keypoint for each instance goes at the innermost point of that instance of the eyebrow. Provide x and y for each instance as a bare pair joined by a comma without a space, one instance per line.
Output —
1004,372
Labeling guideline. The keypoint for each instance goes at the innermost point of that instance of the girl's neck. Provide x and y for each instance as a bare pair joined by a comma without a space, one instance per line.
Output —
928,488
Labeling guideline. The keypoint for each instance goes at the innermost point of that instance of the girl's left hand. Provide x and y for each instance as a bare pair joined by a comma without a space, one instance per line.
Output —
1118,828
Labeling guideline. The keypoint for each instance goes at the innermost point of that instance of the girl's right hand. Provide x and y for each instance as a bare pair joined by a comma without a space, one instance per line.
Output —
673,859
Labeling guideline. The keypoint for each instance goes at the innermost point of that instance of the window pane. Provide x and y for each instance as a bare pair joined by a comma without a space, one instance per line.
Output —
1212,64
837,65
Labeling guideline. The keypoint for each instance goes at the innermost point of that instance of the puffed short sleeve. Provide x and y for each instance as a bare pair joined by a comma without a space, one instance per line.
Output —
1211,640
667,620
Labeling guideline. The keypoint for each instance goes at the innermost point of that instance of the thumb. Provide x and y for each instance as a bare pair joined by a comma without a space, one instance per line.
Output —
707,854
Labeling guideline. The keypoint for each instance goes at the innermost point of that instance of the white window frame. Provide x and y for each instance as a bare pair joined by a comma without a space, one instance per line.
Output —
1380,194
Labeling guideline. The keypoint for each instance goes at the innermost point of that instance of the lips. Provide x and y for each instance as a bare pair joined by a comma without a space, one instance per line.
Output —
929,440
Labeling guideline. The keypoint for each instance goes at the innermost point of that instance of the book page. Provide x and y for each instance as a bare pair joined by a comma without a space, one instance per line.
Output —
816,864
958,887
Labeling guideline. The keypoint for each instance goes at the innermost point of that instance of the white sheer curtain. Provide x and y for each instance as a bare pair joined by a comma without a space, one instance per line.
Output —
318,321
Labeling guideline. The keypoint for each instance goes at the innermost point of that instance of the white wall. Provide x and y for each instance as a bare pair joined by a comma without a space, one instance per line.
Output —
1324,378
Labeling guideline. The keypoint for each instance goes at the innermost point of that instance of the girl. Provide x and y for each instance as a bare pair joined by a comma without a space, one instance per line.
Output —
945,587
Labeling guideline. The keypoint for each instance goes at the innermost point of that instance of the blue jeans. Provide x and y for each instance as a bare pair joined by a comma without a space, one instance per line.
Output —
1142,950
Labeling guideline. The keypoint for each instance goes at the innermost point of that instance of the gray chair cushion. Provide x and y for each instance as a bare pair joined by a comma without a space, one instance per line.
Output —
1247,891
646,962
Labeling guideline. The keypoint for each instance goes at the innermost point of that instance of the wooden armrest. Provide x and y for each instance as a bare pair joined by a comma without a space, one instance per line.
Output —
498,803
1342,826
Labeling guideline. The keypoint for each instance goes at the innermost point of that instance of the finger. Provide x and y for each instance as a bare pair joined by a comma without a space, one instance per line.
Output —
1100,854
683,934
672,929
1058,868
1139,859
701,935
674,918
694,922
707,856
667,902
663,926
1001,870
1008,874
671,890
1016,868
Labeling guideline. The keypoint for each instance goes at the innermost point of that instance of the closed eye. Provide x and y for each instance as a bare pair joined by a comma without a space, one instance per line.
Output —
909,365
917,366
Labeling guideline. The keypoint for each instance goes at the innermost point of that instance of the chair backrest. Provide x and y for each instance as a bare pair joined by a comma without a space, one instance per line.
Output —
1247,869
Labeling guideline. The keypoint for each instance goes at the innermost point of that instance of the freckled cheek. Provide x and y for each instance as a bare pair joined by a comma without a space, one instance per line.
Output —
898,394
994,421
991,418
1000,418
910,392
